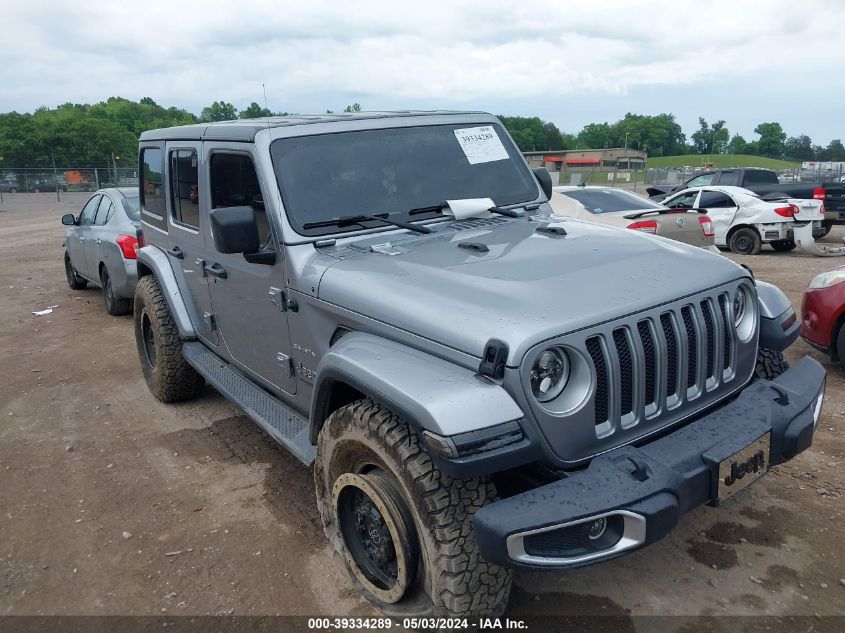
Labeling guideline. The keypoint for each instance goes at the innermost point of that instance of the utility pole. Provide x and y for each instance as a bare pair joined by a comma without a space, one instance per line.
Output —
56,177
626,140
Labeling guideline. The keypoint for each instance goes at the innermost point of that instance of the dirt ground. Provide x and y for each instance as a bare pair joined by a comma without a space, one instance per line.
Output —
113,503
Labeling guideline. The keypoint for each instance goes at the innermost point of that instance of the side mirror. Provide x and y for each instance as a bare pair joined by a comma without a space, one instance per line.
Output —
235,230
545,179
68,219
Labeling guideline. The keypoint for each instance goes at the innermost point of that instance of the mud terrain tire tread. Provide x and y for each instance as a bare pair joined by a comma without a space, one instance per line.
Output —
172,379
770,364
463,584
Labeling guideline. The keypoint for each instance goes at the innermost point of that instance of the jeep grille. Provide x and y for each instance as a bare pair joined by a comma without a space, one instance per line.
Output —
660,362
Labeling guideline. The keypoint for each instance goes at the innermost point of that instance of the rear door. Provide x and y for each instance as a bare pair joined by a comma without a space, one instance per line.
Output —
92,245
721,208
79,235
188,231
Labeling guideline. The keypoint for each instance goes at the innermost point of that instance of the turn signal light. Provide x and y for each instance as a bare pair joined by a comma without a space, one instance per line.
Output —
646,226
128,246
706,225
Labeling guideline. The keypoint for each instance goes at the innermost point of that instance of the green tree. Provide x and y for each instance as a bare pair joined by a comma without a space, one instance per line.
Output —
710,139
255,111
799,147
833,151
771,141
355,107
534,134
218,111
737,145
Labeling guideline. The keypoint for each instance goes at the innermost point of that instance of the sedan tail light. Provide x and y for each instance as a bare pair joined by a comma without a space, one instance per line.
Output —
646,226
819,193
706,225
787,212
128,246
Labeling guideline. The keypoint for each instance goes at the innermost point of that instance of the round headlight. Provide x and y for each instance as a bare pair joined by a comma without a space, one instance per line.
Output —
745,314
549,374
739,306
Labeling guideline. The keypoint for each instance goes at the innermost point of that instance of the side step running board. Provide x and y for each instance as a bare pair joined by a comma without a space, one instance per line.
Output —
281,423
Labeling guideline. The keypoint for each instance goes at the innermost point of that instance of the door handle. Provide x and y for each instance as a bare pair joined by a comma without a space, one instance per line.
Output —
81,238
176,252
216,270
98,240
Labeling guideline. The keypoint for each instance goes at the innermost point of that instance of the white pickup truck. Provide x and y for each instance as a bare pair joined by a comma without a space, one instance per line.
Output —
743,221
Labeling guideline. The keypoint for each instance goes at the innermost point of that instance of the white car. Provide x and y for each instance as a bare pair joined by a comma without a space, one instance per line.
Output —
743,221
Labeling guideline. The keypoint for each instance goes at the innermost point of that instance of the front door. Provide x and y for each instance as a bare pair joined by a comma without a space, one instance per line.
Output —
247,298
79,235
187,219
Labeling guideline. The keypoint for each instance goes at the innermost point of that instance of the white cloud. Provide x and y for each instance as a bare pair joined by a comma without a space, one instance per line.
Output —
190,53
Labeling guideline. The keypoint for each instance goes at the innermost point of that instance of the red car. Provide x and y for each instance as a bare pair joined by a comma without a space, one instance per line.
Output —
823,313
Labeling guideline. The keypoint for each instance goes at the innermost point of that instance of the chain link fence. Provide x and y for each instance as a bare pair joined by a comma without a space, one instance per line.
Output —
40,179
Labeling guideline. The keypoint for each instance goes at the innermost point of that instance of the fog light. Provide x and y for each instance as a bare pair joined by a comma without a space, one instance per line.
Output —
597,529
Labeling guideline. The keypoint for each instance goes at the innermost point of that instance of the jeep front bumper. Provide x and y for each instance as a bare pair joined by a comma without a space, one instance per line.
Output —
632,496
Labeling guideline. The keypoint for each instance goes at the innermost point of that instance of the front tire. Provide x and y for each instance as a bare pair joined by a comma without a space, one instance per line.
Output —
783,246
115,306
169,377
770,364
73,280
840,346
375,484
745,241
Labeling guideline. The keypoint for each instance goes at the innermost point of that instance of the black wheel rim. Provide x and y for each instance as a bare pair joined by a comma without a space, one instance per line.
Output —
743,244
377,529
148,340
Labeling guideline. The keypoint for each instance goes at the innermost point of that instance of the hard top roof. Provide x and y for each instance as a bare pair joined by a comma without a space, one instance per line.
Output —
246,129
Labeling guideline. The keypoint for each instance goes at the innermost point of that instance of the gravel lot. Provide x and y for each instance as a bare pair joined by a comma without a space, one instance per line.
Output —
113,503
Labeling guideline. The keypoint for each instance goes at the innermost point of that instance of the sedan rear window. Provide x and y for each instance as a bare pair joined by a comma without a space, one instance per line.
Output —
610,200
132,206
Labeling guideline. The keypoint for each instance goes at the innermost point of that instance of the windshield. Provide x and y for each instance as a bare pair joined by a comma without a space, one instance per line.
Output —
610,200
395,170
132,206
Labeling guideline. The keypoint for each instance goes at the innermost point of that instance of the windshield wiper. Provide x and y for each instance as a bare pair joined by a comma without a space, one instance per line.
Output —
511,213
358,219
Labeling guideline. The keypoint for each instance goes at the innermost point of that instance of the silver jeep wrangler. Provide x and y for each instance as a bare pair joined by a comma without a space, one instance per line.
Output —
478,384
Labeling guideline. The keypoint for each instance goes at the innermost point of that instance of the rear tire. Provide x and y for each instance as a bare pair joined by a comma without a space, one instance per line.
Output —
770,364
827,225
782,246
115,306
73,279
373,480
745,241
169,377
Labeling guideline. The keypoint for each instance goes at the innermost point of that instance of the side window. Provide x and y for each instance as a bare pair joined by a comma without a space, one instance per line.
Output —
715,200
104,211
184,188
682,201
234,183
728,178
701,181
152,188
86,218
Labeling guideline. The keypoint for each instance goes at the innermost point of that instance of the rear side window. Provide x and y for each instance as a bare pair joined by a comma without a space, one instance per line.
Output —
152,186
184,188
103,211
701,181
132,207
715,200
729,178
760,177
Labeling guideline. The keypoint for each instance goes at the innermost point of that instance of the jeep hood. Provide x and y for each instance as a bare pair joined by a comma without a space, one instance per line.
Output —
528,286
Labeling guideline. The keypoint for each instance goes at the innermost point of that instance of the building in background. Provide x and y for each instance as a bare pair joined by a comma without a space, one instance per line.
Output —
611,159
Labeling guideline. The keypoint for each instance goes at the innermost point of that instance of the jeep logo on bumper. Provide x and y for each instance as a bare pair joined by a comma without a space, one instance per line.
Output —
751,465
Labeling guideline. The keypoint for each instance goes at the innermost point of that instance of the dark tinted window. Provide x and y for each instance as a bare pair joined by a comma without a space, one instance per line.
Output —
89,211
729,178
609,200
395,170
760,177
152,189
184,187
715,200
103,211
132,206
234,183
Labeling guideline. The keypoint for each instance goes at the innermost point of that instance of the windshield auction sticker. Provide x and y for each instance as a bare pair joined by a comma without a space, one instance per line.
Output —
481,144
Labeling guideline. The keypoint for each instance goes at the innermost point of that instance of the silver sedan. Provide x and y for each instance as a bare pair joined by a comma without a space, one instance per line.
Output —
101,247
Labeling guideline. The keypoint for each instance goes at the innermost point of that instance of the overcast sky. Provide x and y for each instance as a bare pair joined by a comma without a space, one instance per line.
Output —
571,62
